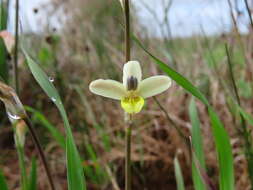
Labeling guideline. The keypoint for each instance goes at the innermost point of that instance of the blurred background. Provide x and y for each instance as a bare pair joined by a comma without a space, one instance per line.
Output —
77,41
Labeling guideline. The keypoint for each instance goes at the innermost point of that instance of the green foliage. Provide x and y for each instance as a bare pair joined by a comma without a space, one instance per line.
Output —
74,165
40,118
216,55
33,176
221,137
3,184
244,88
104,137
245,115
197,144
93,170
45,55
179,177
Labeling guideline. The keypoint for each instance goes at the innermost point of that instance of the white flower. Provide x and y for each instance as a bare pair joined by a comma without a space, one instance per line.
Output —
134,90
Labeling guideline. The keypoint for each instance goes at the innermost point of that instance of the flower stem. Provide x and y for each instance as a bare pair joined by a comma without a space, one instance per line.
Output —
40,151
129,122
128,154
15,63
127,30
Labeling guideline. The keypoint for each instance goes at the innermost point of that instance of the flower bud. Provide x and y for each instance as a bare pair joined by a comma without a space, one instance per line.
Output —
20,132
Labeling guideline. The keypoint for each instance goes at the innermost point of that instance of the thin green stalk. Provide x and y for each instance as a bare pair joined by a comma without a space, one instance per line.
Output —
128,154
21,158
15,63
40,151
127,30
129,124
244,131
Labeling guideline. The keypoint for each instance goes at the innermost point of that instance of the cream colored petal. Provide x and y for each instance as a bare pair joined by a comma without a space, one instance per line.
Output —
131,68
154,85
108,88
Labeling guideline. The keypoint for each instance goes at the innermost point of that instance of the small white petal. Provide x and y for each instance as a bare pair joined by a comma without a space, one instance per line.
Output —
154,85
131,68
108,88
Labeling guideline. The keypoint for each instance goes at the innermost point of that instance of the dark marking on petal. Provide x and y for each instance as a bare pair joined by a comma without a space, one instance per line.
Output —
132,83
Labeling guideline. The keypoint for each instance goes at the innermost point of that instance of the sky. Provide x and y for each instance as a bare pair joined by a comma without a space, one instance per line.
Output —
186,17
191,17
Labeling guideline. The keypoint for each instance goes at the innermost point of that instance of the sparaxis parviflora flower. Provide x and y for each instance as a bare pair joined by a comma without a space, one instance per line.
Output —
133,91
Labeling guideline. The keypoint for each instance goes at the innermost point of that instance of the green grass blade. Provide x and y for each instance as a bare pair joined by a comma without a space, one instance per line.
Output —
33,176
74,166
197,143
221,137
223,147
245,115
3,184
179,176
38,116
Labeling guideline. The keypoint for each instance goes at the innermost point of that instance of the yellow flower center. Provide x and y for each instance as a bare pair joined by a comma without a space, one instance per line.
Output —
132,104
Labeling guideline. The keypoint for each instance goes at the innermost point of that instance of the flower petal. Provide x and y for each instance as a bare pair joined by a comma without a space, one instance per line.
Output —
108,88
131,69
154,85
132,105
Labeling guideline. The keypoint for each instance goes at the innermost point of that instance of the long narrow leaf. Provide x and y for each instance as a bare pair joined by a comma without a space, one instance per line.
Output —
33,176
221,137
179,177
74,167
197,144
223,147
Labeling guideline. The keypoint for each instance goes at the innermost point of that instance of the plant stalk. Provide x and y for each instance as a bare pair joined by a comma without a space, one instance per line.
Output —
128,154
129,122
40,151
127,30
15,63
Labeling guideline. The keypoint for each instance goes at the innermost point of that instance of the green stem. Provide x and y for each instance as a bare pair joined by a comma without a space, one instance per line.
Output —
21,158
129,124
128,154
127,30
40,151
15,63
